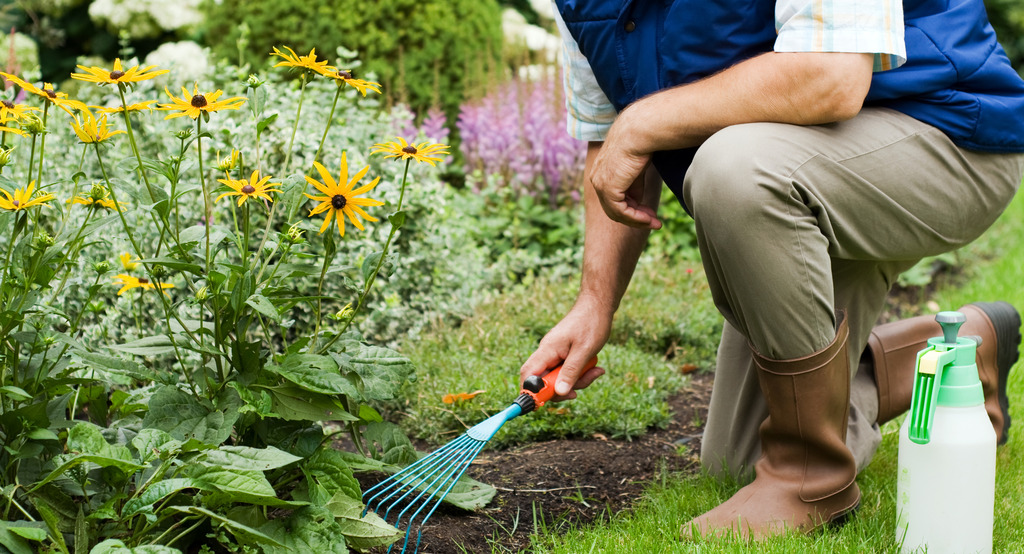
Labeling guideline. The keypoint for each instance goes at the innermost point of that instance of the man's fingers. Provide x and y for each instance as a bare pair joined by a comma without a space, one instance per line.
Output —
572,371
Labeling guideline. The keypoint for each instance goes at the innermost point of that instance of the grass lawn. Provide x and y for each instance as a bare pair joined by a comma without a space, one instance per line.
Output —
653,525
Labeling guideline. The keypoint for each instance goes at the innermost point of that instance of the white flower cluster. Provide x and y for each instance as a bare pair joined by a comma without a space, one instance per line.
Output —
189,60
145,18
537,39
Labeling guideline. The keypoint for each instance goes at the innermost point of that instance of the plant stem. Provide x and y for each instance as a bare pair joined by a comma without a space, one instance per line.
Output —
376,270
295,127
42,146
330,120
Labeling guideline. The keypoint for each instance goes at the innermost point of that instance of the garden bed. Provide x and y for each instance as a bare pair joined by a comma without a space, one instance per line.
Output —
558,484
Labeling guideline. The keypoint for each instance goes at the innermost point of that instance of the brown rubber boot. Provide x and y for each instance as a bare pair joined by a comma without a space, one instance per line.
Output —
893,348
806,476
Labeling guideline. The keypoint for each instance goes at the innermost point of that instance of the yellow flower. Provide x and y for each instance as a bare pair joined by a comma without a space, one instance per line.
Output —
340,197
91,130
47,93
253,188
126,261
137,107
117,75
344,77
422,152
291,59
99,197
128,282
196,103
9,111
4,129
22,198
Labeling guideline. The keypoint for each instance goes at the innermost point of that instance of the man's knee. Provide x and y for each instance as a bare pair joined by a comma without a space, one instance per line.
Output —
737,172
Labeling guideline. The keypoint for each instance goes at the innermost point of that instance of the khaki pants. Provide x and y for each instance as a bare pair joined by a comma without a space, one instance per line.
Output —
796,222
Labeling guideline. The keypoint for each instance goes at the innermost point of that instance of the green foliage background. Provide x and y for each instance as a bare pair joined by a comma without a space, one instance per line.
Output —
423,52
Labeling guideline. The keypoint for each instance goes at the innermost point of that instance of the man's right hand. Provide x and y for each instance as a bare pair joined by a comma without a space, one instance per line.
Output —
572,343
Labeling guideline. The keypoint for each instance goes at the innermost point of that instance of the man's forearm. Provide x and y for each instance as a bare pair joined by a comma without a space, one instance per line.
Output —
611,250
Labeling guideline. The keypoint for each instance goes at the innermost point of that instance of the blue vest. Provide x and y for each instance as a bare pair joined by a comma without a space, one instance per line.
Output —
957,77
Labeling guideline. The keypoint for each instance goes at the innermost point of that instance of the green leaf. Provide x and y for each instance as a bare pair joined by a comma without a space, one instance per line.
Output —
144,502
114,546
315,373
361,532
182,416
151,443
86,440
297,404
264,123
17,394
328,469
382,371
247,458
120,366
264,306
397,219
310,529
43,435
175,264
370,265
389,443
12,542
243,532
147,346
238,485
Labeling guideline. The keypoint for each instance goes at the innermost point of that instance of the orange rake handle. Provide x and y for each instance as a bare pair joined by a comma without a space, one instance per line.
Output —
542,389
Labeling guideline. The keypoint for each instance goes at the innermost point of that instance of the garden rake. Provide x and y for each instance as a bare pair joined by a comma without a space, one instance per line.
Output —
423,485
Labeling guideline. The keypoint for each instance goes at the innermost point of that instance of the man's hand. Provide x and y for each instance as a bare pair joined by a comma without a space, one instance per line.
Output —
573,342
616,178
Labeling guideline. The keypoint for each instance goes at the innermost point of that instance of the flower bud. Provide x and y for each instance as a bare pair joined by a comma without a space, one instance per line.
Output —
295,234
33,124
184,134
254,81
202,294
5,155
231,162
101,267
42,240
344,313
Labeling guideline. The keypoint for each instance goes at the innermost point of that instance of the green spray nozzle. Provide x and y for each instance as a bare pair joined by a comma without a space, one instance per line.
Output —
946,373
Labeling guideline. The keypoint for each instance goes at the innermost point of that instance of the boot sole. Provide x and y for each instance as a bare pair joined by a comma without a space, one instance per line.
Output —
1006,322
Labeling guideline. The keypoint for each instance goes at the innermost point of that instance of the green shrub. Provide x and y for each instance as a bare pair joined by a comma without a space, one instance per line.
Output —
1008,20
422,51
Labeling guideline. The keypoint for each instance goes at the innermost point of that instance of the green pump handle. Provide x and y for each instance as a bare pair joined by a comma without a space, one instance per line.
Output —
931,362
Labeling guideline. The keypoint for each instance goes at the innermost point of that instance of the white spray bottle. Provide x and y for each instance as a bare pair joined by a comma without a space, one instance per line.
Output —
945,490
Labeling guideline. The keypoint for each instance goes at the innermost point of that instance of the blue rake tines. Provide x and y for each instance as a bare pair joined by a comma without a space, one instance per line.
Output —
433,476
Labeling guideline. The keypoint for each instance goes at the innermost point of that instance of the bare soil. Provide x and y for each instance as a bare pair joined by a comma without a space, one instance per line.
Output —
568,482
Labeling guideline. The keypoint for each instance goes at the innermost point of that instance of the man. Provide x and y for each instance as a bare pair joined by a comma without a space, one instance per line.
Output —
822,148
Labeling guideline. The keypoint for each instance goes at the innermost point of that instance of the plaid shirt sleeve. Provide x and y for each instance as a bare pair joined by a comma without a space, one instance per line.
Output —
864,26
590,113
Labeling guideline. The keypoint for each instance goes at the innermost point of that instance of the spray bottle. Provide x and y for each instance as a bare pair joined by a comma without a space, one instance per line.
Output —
945,490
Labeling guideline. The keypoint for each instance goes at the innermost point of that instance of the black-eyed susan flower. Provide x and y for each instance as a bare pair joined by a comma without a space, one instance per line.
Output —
92,130
196,103
128,282
22,198
10,111
422,152
98,198
47,93
127,261
291,59
341,198
130,108
254,187
344,77
117,75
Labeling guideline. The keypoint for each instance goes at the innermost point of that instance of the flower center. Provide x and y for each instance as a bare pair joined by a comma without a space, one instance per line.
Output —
16,203
50,93
409,149
199,101
338,201
344,74
143,280
8,104
248,189
115,75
